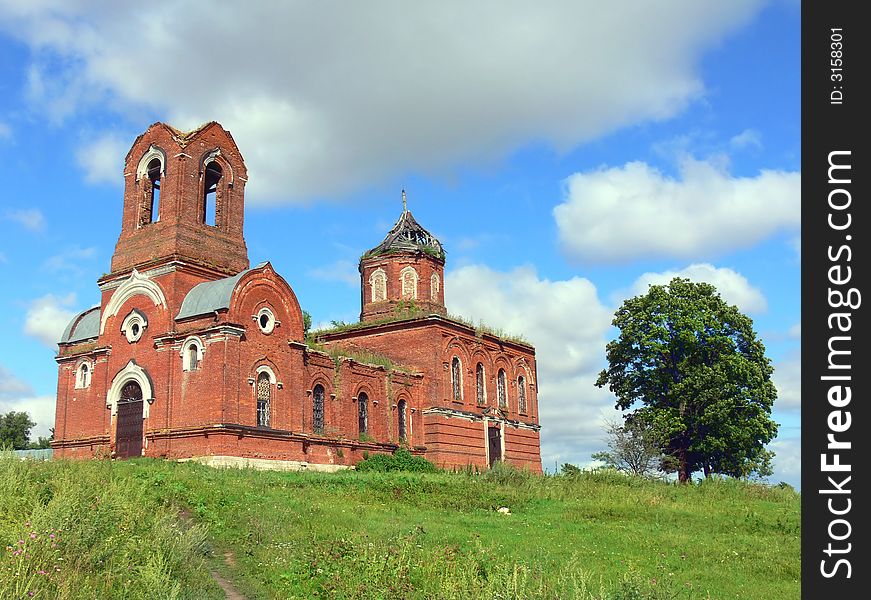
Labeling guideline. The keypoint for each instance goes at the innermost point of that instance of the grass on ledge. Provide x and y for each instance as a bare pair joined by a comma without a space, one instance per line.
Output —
412,315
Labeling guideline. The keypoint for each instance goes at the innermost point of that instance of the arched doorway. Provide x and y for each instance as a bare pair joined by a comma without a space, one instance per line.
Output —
128,436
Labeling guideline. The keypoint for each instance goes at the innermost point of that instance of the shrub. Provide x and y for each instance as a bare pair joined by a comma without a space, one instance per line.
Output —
401,460
507,474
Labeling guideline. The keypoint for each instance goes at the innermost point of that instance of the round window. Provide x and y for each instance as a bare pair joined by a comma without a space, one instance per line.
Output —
134,326
265,320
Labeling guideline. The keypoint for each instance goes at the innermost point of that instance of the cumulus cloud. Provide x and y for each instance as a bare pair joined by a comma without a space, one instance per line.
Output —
326,98
47,318
567,323
103,159
69,260
635,211
733,287
31,219
787,379
17,395
787,460
749,138
341,270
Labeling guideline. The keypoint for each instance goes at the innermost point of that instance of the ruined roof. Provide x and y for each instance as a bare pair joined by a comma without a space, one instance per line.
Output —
205,298
407,235
183,137
83,326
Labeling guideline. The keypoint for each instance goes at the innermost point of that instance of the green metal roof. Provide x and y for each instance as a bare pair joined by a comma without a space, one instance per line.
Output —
83,326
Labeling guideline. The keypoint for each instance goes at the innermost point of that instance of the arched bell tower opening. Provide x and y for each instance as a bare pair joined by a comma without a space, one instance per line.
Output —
183,203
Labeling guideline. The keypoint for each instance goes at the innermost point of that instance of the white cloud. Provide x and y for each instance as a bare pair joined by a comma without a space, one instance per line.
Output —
635,211
733,287
47,318
69,259
16,395
326,98
787,460
341,270
749,138
568,325
11,386
787,378
103,158
795,331
31,219
5,131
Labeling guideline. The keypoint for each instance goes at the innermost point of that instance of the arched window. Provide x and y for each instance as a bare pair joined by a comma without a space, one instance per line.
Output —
378,282
192,351
83,375
434,283
153,172
264,395
501,391
521,394
211,177
456,381
408,280
131,392
400,420
318,409
480,390
193,357
149,172
363,413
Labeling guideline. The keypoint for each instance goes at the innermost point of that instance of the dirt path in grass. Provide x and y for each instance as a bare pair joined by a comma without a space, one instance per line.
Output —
230,591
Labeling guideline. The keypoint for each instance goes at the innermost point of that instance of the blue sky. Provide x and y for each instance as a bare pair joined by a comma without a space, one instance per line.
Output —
566,156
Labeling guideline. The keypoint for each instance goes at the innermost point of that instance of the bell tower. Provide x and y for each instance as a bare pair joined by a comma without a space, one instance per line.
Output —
183,203
404,274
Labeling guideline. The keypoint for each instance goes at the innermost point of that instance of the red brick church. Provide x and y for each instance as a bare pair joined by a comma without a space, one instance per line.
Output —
194,354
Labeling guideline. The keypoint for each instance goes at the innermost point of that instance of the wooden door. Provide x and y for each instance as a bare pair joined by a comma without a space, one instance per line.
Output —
128,438
494,438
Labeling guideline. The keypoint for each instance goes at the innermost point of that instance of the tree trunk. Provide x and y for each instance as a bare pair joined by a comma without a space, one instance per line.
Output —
683,472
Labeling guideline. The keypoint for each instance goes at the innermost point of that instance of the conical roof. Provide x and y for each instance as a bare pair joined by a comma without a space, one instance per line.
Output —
407,235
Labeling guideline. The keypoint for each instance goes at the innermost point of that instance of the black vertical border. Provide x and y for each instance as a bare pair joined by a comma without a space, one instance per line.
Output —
828,127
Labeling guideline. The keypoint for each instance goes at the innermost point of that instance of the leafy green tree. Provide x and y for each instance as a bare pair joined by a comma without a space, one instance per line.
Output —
633,448
570,470
306,322
698,374
15,430
41,442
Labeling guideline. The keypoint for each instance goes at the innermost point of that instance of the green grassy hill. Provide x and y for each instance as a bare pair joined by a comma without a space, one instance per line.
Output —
151,529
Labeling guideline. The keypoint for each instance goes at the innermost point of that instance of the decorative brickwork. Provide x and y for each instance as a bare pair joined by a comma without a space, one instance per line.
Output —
194,355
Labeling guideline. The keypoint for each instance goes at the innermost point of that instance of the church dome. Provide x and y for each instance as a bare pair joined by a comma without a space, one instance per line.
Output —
407,235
